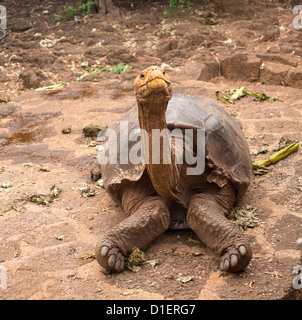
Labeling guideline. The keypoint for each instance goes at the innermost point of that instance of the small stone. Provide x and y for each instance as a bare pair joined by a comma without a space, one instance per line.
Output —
44,169
27,165
6,185
100,183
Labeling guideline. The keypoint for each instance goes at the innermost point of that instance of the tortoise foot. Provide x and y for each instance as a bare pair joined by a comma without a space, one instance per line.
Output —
236,258
109,256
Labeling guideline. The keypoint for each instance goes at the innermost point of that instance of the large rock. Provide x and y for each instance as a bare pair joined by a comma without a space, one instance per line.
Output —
294,77
203,71
39,59
241,67
274,73
20,25
287,59
32,79
165,45
271,33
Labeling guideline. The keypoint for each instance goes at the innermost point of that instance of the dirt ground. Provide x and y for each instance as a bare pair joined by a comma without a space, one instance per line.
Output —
218,45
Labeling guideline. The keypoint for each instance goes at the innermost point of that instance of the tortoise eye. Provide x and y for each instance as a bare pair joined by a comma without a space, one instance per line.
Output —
164,72
142,76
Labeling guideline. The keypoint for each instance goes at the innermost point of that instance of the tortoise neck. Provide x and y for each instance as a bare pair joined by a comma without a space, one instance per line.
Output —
152,116
152,119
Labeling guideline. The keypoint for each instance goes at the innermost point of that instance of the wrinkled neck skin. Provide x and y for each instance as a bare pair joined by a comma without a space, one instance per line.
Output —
152,115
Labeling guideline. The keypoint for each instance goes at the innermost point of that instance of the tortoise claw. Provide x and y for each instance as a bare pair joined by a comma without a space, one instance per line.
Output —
109,256
236,258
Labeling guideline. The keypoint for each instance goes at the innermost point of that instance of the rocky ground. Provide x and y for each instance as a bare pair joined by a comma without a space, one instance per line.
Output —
215,47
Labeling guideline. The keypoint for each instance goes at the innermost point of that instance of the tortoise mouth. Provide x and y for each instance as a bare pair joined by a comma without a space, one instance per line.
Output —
157,83
156,89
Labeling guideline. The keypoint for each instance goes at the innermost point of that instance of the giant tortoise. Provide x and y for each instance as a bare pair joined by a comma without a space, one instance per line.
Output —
157,195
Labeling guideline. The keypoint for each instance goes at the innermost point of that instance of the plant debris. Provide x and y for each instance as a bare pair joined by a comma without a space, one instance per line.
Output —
283,143
87,256
109,271
174,252
45,200
277,156
152,263
87,191
275,273
230,95
2,169
121,68
208,21
41,199
263,149
54,191
91,131
180,279
44,169
135,259
118,69
234,95
66,130
245,217
260,171
260,96
91,70
100,183
53,87
5,101
185,279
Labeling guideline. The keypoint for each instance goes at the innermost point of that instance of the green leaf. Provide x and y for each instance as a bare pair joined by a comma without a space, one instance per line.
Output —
120,68
53,87
277,156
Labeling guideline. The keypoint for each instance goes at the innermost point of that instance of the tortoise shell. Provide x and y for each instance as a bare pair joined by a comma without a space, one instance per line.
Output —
226,149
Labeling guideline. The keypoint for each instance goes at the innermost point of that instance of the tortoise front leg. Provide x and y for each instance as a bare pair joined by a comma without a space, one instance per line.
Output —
150,219
206,217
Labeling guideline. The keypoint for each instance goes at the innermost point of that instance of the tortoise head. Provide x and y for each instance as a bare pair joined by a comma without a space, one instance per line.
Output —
153,85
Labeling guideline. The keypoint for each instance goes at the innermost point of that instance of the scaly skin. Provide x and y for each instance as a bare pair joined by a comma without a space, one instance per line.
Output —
148,214
206,217
150,220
